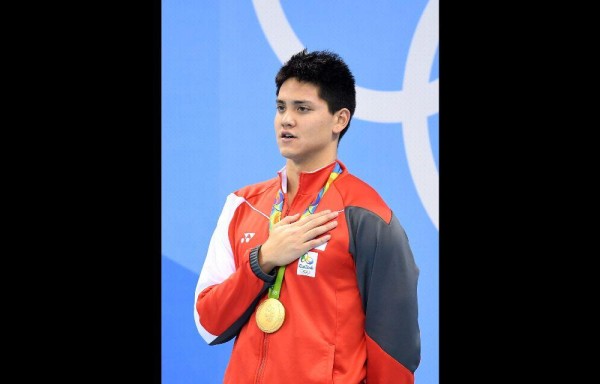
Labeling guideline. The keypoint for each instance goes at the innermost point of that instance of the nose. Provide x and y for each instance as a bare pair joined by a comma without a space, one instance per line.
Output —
286,119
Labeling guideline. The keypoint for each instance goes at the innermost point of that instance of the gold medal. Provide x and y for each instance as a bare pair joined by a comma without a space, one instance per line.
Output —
270,315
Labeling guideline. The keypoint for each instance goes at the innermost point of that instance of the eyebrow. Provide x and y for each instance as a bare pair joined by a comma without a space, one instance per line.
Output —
295,102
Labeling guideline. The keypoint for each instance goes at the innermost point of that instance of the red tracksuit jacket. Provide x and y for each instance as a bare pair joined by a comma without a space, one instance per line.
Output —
350,317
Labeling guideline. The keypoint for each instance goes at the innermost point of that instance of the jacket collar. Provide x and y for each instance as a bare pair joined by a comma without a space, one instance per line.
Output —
310,183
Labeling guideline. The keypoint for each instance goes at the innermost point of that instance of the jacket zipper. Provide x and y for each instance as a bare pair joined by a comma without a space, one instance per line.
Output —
263,359
265,345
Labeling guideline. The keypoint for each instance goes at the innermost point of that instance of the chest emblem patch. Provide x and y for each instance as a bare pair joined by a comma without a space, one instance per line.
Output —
307,264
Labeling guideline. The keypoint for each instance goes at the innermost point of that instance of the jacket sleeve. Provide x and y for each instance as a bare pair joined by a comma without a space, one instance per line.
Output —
225,294
387,279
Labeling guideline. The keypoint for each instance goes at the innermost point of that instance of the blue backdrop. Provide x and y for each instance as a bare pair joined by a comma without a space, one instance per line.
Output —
219,59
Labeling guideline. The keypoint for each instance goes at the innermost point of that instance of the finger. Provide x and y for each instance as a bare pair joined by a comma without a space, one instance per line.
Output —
314,243
320,217
314,220
289,219
320,230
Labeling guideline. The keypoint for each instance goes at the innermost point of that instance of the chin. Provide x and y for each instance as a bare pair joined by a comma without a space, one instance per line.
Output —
285,153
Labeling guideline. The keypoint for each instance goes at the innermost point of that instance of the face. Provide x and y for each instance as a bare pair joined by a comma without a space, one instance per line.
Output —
305,130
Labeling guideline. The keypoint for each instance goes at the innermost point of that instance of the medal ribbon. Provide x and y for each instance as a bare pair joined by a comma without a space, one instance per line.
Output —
275,289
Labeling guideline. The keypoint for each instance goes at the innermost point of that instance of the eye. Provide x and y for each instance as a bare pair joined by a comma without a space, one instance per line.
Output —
303,108
280,108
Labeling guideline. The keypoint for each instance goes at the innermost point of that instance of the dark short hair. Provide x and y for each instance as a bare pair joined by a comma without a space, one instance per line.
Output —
326,70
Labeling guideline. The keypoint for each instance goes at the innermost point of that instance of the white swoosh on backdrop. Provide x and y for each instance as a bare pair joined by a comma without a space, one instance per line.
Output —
410,106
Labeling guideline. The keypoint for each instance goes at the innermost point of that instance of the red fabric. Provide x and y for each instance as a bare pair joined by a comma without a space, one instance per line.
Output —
385,367
322,339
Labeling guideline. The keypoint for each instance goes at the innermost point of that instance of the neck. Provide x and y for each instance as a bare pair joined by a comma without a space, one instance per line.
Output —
293,171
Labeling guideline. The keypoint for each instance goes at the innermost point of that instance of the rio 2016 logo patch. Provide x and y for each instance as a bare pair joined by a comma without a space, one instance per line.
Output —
307,264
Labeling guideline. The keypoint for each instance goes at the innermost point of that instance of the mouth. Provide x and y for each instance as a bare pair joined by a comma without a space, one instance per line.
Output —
286,135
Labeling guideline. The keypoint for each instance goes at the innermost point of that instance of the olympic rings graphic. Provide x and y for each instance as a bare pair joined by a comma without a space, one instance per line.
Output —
418,99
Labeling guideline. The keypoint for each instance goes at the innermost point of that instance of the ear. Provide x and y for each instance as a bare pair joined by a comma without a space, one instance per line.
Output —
342,117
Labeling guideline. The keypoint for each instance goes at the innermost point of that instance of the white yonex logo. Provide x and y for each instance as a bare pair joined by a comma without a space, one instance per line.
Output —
247,237
418,99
